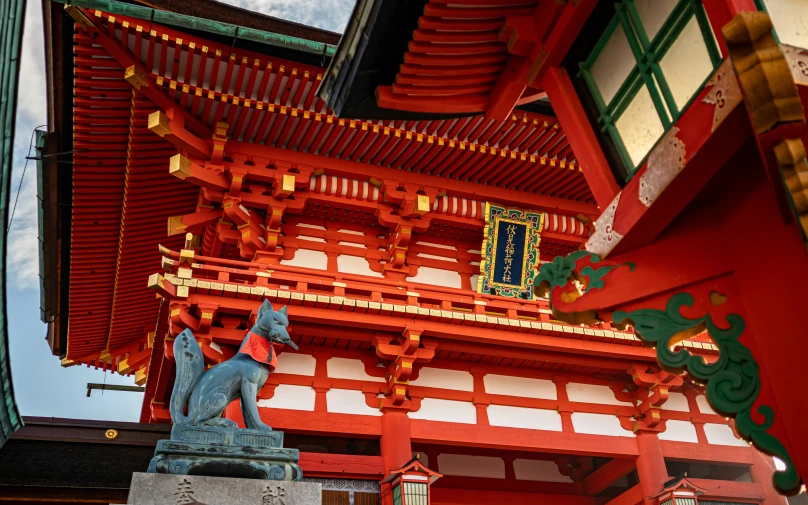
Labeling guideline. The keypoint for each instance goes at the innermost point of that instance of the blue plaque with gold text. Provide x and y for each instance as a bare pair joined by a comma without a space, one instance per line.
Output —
510,252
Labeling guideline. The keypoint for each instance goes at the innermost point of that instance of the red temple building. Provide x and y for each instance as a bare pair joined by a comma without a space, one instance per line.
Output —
203,158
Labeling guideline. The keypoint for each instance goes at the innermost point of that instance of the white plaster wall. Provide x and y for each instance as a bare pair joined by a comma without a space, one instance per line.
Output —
308,259
522,417
290,397
471,466
312,226
444,379
704,405
677,402
790,19
520,386
311,239
592,393
721,434
679,431
450,411
297,364
436,277
439,246
436,257
473,280
355,265
538,470
344,368
349,401
598,424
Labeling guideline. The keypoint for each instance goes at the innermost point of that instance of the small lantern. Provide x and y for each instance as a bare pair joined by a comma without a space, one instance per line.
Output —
411,483
679,491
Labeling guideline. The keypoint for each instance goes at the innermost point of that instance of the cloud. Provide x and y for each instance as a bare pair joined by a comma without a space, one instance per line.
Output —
22,259
329,15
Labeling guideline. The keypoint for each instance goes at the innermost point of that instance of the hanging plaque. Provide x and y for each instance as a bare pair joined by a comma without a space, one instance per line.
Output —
510,252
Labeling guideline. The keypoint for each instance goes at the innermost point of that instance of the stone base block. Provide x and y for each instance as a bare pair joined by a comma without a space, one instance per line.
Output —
224,451
157,489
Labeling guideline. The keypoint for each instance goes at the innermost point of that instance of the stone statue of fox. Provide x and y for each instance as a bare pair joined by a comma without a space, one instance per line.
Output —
207,393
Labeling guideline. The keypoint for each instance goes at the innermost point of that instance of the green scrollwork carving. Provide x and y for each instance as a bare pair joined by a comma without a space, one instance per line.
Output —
732,381
563,268
557,273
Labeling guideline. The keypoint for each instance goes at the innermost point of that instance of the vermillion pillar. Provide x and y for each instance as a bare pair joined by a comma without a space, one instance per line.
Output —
761,472
396,445
650,466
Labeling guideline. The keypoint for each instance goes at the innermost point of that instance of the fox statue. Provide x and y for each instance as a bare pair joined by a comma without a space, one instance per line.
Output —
207,393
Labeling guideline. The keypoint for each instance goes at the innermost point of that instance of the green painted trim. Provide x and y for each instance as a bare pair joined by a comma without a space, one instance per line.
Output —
12,20
647,71
761,5
206,25
732,382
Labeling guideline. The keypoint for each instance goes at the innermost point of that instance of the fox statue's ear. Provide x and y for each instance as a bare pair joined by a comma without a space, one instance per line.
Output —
283,311
265,307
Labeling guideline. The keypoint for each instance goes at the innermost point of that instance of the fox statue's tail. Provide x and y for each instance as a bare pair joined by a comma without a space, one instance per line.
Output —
190,366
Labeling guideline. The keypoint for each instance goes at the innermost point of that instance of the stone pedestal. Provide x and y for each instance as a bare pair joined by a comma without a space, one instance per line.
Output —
226,451
157,489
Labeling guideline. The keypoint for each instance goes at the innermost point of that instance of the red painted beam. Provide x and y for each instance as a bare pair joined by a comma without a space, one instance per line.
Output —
451,496
299,421
707,152
581,137
729,490
342,466
516,439
718,454
605,476
386,98
461,189
631,497
510,85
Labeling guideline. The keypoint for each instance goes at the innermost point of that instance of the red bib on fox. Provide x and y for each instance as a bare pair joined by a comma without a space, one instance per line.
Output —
259,349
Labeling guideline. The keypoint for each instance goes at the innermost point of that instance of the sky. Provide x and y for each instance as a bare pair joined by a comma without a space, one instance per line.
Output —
42,387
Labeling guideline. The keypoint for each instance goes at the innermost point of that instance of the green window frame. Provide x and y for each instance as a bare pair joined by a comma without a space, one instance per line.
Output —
397,494
647,70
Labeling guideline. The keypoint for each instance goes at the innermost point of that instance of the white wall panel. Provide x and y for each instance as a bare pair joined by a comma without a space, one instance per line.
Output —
446,410
290,397
297,364
598,424
344,368
445,379
592,393
471,466
436,277
522,417
520,386
538,470
679,431
677,402
308,259
704,405
349,401
721,434
355,265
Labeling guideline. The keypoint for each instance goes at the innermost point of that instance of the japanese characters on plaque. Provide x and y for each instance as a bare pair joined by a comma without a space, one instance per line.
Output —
510,252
